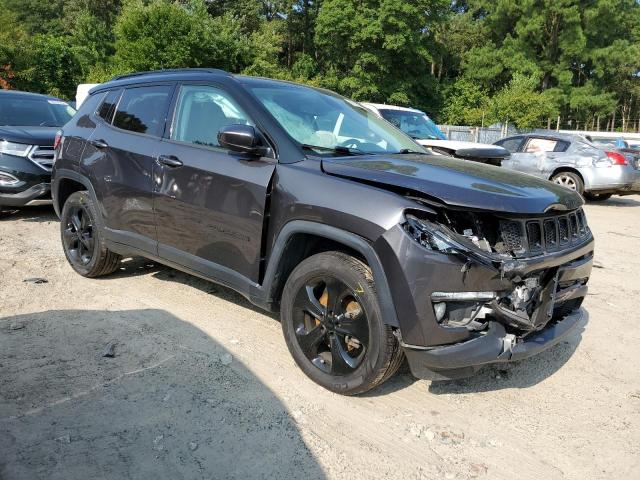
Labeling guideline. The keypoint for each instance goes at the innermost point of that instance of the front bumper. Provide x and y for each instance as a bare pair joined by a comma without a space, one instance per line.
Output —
33,186
415,274
493,346
39,194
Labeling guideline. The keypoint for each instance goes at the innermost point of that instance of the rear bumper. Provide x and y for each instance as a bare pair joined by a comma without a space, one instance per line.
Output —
613,179
494,346
36,195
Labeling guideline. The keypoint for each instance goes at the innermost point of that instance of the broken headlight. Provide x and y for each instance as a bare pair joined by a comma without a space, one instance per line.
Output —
428,234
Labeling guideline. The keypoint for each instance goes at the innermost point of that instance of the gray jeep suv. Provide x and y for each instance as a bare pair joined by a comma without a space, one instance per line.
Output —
371,249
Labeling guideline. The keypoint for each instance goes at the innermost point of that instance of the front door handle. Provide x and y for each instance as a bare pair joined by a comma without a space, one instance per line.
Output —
99,143
170,161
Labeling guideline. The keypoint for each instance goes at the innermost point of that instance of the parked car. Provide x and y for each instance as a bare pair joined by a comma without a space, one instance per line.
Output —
573,162
424,131
28,126
307,203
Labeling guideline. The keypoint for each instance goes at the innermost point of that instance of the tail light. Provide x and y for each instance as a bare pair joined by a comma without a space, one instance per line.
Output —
616,158
58,139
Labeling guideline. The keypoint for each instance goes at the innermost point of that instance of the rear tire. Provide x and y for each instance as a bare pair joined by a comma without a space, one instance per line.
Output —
82,240
333,327
569,180
597,197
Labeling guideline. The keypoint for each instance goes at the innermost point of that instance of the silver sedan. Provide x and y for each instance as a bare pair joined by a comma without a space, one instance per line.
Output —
574,162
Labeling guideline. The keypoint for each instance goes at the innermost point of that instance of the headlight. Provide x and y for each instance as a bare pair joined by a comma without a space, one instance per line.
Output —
17,149
428,234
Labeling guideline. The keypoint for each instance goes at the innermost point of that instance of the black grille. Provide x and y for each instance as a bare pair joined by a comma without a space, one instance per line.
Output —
43,156
551,234
536,236
512,235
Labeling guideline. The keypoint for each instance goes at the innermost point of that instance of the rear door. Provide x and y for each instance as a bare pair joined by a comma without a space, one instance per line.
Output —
539,153
210,202
124,146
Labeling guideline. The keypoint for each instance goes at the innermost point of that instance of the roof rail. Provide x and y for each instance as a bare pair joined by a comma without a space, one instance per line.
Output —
169,70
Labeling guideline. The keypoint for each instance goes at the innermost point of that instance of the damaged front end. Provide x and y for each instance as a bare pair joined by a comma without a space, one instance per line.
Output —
501,287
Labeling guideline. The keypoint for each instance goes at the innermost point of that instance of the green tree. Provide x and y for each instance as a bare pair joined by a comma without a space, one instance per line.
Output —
160,34
378,49
519,103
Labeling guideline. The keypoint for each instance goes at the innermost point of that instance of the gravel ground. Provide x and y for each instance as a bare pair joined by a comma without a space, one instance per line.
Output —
201,384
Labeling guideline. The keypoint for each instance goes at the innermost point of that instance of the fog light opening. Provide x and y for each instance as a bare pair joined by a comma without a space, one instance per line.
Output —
440,309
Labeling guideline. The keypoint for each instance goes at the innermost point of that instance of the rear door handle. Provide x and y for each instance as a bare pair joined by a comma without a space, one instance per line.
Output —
99,143
170,161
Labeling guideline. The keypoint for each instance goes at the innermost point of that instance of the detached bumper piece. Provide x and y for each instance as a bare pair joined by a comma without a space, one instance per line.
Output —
35,195
493,346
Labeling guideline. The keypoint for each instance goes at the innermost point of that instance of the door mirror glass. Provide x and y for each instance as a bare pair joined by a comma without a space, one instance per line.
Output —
241,138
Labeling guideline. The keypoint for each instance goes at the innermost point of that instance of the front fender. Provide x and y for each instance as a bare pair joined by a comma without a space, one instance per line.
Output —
348,239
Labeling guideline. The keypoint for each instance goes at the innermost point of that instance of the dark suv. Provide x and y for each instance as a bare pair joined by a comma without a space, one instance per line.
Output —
306,203
28,126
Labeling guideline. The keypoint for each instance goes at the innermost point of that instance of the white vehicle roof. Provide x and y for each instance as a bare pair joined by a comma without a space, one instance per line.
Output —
384,106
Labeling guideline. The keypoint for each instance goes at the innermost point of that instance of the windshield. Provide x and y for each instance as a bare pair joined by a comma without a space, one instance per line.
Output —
413,123
326,122
21,111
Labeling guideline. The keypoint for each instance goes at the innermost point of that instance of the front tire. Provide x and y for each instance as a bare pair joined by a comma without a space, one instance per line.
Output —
333,326
82,240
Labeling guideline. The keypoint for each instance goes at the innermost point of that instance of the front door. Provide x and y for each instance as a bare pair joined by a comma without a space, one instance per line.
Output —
209,203
538,155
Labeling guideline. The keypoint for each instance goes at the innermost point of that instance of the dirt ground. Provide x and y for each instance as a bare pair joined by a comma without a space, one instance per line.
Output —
202,385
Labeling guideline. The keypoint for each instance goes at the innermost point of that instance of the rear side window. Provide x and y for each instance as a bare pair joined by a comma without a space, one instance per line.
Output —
143,109
561,146
510,144
108,105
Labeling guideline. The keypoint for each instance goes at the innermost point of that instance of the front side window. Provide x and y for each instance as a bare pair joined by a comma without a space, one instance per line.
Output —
413,123
324,121
22,111
537,145
143,109
201,112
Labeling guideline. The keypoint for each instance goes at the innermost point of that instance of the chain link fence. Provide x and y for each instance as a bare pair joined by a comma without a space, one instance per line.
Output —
490,134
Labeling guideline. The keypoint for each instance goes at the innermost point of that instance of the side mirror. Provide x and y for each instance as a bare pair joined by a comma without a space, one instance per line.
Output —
243,139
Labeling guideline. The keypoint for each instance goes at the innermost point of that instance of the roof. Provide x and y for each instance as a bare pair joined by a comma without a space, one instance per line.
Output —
384,106
19,93
550,136
161,75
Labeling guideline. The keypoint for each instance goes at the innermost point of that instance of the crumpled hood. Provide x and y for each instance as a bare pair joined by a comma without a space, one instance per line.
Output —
458,182
29,135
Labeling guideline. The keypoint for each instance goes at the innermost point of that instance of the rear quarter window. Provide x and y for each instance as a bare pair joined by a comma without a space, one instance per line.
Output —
108,105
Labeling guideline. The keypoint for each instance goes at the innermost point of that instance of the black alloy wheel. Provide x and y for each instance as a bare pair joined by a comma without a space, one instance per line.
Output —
333,324
78,235
330,325
82,240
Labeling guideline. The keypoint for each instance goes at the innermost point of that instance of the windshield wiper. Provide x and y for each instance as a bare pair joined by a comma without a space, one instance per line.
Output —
339,149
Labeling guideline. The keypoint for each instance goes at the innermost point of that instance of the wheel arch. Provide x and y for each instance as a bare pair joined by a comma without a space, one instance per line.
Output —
567,169
299,239
65,182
